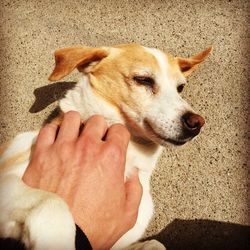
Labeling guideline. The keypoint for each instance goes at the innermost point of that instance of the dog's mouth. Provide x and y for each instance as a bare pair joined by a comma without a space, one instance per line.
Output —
164,140
174,142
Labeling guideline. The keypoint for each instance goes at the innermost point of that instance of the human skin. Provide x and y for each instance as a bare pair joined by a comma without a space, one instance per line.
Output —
86,169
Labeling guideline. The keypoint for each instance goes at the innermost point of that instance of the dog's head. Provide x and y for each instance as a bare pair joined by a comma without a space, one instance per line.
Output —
144,84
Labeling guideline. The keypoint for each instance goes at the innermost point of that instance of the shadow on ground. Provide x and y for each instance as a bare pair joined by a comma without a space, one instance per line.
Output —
48,94
204,235
188,235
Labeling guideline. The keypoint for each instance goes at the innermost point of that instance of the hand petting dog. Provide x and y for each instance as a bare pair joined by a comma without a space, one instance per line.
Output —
88,173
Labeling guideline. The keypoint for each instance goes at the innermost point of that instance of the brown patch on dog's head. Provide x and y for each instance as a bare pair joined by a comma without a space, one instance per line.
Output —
67,59
114,77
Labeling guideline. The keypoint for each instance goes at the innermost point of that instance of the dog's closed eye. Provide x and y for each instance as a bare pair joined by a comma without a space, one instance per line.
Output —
144,80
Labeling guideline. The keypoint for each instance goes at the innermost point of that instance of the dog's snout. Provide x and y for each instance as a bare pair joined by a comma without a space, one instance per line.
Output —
193,122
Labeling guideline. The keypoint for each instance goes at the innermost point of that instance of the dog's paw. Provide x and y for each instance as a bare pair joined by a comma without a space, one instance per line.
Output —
50,226
146,245
40,219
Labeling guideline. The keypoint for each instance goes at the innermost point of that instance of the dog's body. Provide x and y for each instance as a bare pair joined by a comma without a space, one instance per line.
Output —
127,84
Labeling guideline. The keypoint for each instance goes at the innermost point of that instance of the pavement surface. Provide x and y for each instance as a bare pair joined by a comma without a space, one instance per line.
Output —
200,190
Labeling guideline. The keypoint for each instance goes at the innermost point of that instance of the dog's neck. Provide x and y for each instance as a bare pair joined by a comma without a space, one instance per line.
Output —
83,100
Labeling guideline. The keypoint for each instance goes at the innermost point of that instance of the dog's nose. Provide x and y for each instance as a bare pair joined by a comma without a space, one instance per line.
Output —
193,122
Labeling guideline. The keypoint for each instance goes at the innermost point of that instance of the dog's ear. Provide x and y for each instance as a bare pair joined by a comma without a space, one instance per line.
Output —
67,59
188,65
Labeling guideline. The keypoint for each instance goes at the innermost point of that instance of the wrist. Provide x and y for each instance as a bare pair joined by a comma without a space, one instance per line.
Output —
97,239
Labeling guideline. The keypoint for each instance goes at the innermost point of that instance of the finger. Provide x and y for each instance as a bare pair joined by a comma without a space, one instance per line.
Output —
119,135
95,127
46,136
133,193
69,129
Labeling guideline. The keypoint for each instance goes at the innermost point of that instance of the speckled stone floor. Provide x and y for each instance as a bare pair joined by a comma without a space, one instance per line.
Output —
200,190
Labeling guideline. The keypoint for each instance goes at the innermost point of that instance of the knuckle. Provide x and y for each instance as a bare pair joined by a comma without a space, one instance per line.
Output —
48,127
117,126
121,129
46,131
116,152
64,148
126,132
97,118
88,142
72,115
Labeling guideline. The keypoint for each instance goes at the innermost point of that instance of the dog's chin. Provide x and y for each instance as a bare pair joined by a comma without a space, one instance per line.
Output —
166,141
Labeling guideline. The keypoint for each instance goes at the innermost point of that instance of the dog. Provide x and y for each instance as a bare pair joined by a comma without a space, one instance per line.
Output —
130,84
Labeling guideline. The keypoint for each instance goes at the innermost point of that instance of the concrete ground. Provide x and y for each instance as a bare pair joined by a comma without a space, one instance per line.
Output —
200,190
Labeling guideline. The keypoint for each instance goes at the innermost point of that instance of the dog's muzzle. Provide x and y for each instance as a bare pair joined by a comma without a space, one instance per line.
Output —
191,125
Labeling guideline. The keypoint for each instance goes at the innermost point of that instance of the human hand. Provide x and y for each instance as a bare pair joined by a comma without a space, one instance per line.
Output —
88,173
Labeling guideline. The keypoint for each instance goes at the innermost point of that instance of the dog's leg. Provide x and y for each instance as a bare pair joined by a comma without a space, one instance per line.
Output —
40,219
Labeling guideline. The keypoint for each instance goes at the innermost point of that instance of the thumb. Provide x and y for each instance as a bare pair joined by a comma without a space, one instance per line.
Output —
134,192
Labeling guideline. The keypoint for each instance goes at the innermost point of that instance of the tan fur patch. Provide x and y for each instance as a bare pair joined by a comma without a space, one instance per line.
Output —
4,146
112,77
15,159
58,120
67,59
188,65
